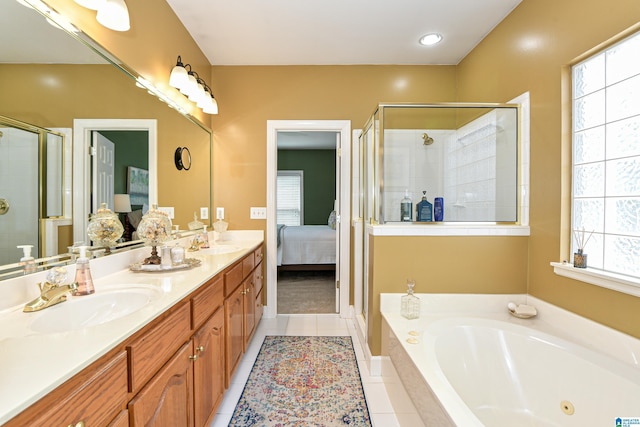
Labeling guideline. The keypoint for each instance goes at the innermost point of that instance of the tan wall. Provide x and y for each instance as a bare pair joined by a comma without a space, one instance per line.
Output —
249,96
527,52
29,96
448,264
150,47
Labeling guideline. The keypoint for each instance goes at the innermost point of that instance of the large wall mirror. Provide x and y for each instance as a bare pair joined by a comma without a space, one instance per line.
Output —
52,80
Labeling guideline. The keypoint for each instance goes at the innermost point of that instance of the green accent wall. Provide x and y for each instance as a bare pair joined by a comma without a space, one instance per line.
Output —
132,149
319,168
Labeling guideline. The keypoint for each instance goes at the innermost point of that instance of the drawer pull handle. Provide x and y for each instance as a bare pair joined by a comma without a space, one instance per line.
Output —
200,348
78,424
260,255
193,357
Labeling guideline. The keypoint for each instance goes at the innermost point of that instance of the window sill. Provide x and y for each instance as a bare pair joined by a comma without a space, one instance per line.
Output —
616,282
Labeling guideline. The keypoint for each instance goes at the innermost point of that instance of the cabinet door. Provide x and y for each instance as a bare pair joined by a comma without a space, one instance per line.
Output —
249,310
208,369
167,400
233,326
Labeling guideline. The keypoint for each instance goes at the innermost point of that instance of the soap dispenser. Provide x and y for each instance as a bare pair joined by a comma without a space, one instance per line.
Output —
204,238
83,274
27,262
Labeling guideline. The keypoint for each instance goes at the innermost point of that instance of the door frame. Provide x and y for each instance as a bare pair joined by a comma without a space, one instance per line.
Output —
82,129
343,127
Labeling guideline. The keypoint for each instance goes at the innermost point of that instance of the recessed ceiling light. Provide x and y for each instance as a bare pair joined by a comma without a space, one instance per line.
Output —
430,39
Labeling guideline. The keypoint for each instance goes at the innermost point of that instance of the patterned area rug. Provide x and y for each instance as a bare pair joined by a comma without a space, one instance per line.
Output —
303,381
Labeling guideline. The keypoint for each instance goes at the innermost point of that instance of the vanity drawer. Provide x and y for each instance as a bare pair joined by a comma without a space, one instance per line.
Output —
247,265
151,350
258,254
232,279
207,301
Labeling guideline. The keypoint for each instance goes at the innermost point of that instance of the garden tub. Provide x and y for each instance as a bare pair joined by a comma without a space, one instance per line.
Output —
491,369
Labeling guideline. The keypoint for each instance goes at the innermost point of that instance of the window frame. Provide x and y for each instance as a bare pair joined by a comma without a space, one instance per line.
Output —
300,174
600,276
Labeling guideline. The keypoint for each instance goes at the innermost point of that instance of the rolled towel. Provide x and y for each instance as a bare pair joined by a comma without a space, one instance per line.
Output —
525,310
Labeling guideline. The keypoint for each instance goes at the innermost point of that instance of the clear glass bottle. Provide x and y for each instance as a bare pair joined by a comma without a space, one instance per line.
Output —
406,208
409,303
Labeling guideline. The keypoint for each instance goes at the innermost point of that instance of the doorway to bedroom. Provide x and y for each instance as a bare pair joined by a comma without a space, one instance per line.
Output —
308,250
305,216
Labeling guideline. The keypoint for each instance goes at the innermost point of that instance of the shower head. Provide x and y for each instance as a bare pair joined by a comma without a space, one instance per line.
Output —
426,139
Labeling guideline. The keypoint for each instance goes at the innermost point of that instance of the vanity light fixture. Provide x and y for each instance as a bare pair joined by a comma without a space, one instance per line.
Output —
90,4
179,75
430,39
189,83
112,14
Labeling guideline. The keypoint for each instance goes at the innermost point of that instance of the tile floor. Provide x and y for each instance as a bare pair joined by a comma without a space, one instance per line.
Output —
375,387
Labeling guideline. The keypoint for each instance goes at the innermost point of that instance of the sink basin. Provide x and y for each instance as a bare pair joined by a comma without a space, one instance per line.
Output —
220,249
104,306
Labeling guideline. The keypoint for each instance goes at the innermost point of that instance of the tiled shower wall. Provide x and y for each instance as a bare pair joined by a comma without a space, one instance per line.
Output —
460,166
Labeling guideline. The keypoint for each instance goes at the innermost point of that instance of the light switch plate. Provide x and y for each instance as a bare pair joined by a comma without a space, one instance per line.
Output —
219,213
258,213
204,213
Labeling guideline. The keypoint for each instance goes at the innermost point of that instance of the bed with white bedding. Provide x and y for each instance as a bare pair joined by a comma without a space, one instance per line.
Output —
306,245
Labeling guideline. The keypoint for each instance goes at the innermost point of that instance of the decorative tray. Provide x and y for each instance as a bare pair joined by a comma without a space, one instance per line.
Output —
188,263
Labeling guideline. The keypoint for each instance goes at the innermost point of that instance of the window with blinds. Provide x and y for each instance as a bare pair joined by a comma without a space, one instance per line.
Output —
606,158
289,197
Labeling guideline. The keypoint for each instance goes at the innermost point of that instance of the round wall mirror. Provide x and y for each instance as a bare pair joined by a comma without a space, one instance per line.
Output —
182,158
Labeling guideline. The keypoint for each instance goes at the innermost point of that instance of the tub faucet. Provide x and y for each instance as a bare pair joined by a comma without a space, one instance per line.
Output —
51,293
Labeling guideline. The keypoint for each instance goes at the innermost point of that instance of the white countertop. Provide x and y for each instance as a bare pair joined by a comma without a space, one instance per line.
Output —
33,364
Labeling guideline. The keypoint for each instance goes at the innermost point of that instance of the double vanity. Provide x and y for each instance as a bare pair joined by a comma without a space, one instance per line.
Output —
146,348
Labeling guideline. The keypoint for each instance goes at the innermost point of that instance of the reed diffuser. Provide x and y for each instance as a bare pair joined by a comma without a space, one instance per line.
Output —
582,238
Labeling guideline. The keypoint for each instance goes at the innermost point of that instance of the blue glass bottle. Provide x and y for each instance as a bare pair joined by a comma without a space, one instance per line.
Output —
438,209
424,209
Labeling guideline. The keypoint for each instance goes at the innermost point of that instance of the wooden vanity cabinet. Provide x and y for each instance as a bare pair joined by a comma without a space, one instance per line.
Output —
187,390
241,309
94,397
174,371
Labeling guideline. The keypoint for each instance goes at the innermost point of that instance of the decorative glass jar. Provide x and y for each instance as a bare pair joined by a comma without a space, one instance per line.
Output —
105,228
154,229
409,303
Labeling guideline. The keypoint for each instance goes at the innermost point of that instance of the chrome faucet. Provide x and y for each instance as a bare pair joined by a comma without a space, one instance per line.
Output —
52,292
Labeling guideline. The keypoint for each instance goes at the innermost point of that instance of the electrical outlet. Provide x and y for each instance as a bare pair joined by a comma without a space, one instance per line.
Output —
219,213
258,213
168,210
204,213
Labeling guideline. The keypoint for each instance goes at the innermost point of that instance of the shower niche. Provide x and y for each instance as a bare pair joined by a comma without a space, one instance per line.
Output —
467,154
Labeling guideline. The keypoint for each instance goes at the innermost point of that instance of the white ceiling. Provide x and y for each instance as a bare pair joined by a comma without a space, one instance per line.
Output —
337,32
